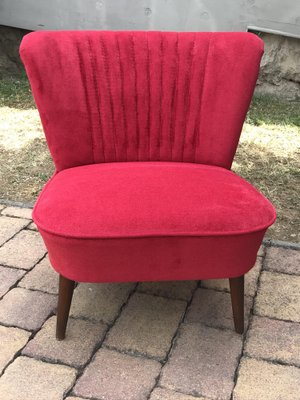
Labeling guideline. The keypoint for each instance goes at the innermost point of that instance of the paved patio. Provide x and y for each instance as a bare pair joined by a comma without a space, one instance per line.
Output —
155,341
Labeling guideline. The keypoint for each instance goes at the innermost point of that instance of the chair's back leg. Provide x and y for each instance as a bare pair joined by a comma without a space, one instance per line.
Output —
237,301
65,294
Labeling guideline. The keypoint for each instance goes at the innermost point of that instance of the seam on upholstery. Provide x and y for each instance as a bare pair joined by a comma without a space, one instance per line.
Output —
161,94
97,96
159,235
106,69
149,97
137,128
87,102
188,88
122,96
198,124
174,99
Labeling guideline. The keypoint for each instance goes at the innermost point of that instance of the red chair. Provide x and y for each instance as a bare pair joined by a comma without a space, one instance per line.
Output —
142,128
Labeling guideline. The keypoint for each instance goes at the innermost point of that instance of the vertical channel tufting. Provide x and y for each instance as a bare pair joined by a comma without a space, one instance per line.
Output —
99,156
174,99
142,95
187,92
168,71
155,87
133,63
160,135
149,99
199,54
123,116
110,124
129,99
84,83
198,123
107,96
185,47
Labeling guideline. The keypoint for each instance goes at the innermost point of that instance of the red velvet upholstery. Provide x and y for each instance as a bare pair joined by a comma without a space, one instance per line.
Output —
151,220
142,96
143,127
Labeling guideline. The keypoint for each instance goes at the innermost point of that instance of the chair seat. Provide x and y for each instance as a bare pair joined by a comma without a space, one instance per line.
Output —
150,199
108,203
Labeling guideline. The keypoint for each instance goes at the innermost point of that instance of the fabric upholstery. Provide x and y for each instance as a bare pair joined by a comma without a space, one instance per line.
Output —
142,96
143,127
142,199
153,258
91,217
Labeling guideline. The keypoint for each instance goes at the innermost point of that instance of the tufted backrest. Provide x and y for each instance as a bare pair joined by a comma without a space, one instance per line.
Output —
107,96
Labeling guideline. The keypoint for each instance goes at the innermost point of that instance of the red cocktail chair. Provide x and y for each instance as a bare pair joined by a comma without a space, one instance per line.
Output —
142,128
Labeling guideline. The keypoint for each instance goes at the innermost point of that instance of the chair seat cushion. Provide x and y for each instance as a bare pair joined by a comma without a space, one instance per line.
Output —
113,202
150,199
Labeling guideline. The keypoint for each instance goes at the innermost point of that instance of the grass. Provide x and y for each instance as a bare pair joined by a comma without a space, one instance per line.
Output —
15,93
25,161
268,154
269,157
267,110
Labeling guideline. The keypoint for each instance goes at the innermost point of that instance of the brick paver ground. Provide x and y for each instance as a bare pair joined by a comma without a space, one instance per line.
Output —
146,341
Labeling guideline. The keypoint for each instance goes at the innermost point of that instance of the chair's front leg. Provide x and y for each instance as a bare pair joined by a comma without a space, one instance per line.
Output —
65,294
237,301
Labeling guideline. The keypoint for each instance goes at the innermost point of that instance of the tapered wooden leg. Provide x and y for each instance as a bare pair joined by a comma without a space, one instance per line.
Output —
237,301
65,294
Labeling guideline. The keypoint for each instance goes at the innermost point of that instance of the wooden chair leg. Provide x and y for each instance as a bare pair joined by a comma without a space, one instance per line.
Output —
237,301
65,294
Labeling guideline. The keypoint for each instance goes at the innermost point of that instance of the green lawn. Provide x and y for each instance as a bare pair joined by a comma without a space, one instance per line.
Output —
269,157
15,93
268,154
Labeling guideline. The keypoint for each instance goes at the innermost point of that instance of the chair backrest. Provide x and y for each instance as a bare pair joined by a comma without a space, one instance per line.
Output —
107,96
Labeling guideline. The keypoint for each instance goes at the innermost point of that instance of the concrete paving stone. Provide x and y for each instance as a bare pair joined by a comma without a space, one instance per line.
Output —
29,379
8,277
181,290
25,308
203,362
100,301
11,341
213,308
23,251
32,226
19,212
74,398
147,325
278,296
262,380
42,277
217,284
75,349
164,394
261,251
283,260
10,226
274,340
250,281
115,376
